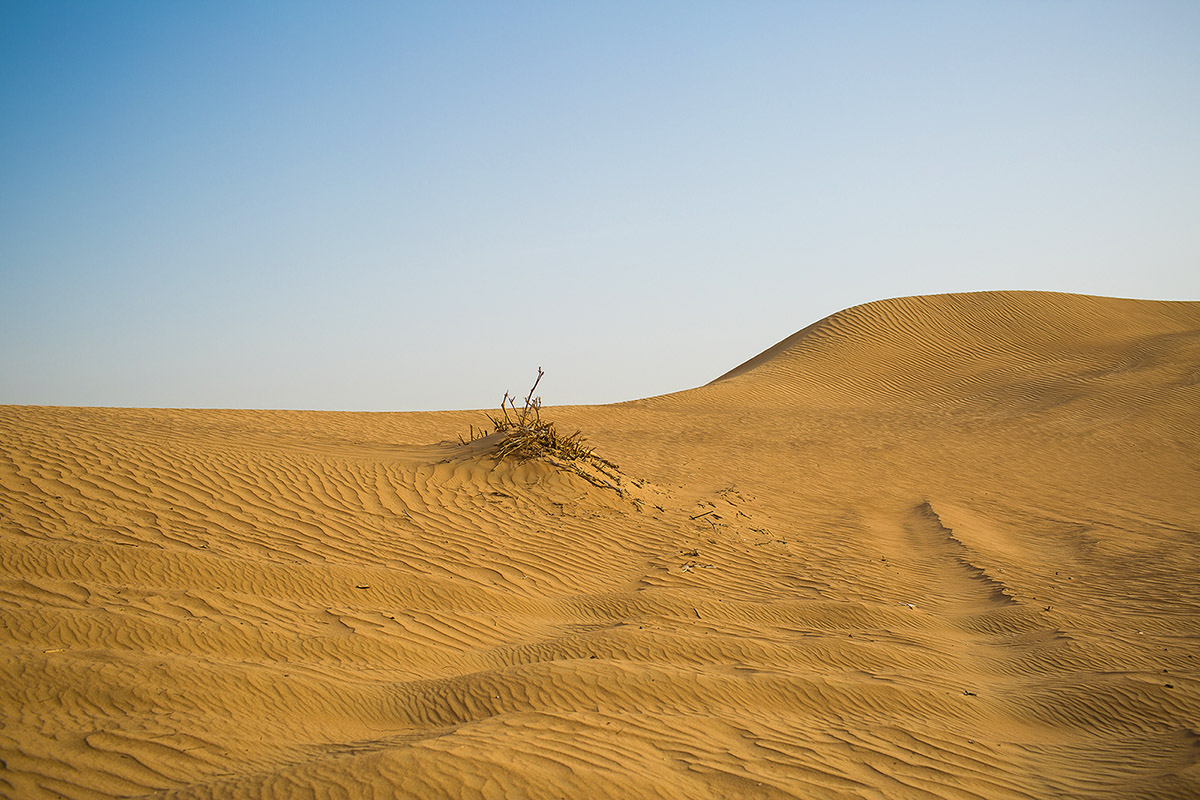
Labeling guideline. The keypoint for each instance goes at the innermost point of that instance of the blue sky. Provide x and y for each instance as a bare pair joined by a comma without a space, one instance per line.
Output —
406,206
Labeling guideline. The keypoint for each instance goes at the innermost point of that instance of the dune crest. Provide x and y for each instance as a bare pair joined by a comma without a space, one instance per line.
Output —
932,547
960,346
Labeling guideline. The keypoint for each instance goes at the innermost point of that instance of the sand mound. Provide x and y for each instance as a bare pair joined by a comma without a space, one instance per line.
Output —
978,347
938,547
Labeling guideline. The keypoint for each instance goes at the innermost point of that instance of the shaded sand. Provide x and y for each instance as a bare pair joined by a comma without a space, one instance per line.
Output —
937,547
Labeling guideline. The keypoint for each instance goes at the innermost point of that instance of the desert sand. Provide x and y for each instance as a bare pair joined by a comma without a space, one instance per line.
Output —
932,547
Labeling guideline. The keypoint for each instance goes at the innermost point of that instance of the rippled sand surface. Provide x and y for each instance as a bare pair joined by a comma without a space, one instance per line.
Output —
934,547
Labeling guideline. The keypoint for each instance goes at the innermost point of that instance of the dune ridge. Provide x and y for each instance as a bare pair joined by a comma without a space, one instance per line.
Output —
931,547
961,346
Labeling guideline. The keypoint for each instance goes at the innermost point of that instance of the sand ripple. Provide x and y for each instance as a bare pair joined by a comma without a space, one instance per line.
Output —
927,548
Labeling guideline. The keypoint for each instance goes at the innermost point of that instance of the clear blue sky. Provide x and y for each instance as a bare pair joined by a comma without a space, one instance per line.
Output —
361,205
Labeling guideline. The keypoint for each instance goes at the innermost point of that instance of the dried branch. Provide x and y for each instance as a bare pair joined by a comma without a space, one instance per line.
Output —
527,435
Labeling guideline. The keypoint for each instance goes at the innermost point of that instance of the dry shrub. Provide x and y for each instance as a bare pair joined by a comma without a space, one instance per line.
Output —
525,436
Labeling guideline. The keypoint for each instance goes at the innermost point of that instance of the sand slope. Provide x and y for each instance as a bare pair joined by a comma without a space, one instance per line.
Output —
936,547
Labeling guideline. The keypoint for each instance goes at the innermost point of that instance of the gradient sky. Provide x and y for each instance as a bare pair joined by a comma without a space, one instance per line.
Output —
405,206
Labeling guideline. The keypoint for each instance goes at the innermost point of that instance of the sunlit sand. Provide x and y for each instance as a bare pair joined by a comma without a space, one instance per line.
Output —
934,547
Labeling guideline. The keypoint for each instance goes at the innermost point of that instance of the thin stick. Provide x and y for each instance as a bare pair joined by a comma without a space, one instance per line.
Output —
529,397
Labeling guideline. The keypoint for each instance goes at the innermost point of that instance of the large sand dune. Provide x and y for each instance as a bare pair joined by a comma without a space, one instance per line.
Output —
937,547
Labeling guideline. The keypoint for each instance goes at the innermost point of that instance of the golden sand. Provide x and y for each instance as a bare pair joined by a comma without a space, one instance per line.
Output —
936,547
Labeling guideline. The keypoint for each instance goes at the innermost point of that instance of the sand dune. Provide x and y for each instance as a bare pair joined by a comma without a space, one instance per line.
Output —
934,547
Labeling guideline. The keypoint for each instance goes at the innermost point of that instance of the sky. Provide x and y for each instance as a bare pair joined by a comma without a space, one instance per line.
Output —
413,206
